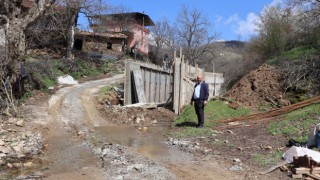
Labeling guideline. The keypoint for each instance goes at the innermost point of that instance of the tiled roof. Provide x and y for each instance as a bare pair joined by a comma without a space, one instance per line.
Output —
105,34
141,18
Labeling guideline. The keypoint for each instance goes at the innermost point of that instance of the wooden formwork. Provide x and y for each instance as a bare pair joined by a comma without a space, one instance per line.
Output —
184,80
147,83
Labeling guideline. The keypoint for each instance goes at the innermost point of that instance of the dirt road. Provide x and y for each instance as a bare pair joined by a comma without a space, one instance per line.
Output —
81,144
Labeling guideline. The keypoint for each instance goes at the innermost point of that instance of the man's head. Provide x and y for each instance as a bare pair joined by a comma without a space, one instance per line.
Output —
199,78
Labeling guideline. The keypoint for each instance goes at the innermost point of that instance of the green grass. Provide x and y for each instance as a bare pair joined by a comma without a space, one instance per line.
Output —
214,111
26,96
297,124
105,90
267,159
47,82
294,54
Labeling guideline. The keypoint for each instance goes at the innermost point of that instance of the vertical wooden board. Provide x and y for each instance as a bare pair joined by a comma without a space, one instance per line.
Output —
138,81
150,87
211,90
168,87
127,84
182,86
160,86
163,86
156,87
176,84
218,90
147,80
153,86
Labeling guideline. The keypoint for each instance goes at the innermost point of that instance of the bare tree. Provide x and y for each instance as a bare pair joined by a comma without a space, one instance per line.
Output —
195,33
311,7
72,10
164,41
308,17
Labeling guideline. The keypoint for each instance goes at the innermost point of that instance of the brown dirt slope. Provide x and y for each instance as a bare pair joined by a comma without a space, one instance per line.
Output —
261,87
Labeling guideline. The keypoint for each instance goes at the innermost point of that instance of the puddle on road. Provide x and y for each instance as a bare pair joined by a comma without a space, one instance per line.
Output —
147,143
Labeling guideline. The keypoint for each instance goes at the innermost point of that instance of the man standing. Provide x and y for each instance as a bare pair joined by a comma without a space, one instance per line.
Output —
200,99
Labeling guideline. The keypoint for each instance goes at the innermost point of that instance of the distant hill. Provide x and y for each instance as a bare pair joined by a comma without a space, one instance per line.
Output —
231,44
225,52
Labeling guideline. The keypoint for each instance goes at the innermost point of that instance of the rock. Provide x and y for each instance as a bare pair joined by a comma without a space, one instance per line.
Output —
240,148
284,168
20,123
144,129
237,160
207,150
1,162
97,151
18,149
27,164
2,155
235,168
138,120
17,165
229,131
120,177
12,120
12,130
5,150
154,122
1,142
234,123
137,167
268,148
216,132
216,152
9,165
226,141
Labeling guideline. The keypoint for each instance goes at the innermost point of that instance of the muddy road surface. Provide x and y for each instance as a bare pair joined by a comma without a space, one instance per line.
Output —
82,144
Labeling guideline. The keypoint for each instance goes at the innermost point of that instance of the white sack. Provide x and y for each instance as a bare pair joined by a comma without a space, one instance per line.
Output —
301,151
67,79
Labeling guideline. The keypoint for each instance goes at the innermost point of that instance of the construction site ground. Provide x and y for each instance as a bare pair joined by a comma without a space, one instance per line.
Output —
87,137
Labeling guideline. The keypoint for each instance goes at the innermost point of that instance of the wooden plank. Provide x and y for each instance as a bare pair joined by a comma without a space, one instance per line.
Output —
176,84
272,168
275,112
314,176
296,176
144,105
138,82
304,170
127,84
182,87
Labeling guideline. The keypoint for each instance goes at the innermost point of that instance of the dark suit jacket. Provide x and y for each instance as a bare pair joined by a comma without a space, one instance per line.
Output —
204,92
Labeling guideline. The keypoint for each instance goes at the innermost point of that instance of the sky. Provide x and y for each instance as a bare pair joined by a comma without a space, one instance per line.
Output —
231,19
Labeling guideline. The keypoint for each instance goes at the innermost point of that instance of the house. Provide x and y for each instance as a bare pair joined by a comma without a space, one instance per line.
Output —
51,31
99,42
131,24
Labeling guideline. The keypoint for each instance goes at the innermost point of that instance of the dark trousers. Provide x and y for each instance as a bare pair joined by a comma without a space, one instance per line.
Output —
199,108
